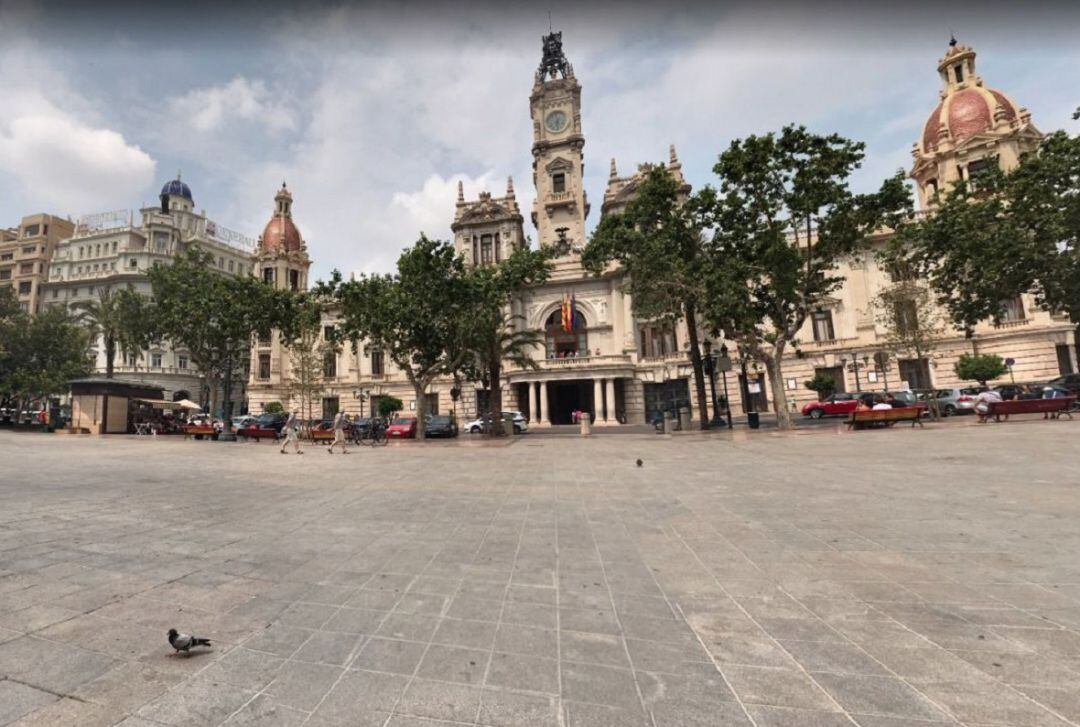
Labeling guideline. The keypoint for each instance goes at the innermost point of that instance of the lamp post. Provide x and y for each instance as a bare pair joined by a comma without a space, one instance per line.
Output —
710,368
724,364
360,396
746,384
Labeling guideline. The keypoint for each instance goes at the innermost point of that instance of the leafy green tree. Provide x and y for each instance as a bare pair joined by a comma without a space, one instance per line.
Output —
40,355
966,249
979,367
910,317
274,407
659,242
389,406
494,336
822,384
784,220
122,319
214,316
308,350
418,316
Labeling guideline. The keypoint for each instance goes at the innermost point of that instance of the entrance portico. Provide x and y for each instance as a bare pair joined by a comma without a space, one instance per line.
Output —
552,401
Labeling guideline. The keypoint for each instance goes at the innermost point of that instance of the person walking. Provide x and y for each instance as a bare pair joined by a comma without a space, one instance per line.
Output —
291,430
340,420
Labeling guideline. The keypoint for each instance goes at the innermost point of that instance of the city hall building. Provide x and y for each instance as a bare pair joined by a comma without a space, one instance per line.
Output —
622,369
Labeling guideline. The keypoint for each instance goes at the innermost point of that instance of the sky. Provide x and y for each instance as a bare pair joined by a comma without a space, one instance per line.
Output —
372,112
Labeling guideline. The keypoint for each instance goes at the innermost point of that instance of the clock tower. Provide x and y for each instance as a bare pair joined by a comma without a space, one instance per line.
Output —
558,161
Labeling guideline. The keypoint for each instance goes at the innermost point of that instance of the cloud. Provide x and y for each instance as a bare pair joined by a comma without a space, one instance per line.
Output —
209,108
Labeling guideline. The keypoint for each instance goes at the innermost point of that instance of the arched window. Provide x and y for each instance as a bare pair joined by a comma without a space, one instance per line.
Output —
566,344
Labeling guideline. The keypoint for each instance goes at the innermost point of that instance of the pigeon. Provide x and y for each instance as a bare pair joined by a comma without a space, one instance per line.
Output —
184,642
639,463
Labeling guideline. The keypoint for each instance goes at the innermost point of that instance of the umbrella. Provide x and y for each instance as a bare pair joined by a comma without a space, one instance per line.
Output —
187,404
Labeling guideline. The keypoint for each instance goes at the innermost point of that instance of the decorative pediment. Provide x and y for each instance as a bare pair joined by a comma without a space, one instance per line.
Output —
559,164
485,210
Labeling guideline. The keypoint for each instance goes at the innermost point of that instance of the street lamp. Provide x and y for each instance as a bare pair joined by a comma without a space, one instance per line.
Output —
360,396
710,369
724,364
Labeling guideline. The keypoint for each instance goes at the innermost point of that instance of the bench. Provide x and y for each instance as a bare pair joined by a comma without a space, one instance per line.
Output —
257,433
1049,408
198,431
860,419
321,435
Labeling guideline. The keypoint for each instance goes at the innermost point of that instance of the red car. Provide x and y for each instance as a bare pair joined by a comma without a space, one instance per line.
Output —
835,405
402,428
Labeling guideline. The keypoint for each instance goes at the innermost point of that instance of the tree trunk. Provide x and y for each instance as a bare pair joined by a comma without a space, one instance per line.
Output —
110,354
699,368
1076,346
495,379
776,381
421,408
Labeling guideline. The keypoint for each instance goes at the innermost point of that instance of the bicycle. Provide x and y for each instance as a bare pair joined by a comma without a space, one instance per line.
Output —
373,436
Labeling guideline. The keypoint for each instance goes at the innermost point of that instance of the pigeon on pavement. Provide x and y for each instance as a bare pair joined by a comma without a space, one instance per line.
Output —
184,642
639,463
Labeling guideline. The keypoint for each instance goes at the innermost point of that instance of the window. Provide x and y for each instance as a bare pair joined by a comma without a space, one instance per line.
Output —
29,250
657,341
294,280
161,241
133,360
931,188
264,338
155,360
823,325
221,263
329,365
558,183
97,251
80,252
328,333
906,313
133,263
7,256
56,293
1013,310
5,274
486,253
90,290
25,287
230,266
31,230
268,275
182,362
377,368
264,366
561,343
26,268
114,246
958,71
1064,358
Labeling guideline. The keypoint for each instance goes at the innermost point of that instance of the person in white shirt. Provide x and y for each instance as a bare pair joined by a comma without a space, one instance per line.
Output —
339,433
882,406
983,402
291,431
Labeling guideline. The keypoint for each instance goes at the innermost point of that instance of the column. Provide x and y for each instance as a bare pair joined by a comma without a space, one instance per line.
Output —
609,412
543,408
598,399
533,414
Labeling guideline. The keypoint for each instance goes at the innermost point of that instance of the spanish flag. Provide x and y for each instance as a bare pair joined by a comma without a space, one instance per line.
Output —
567,318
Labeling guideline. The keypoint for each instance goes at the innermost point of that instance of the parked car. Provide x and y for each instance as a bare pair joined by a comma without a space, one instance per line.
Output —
242,421
271,421
402,428
482,423
1070,382
1019,391
441,426
839,404
958,400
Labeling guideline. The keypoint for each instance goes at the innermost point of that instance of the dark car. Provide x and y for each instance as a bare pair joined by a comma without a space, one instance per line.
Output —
1069,382
271,421
441,426
1009,392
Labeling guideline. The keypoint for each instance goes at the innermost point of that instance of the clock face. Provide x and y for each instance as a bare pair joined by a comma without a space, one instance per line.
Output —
555,121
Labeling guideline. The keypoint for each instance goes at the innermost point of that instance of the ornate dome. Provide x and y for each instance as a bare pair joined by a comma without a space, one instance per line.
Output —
967,107
281,232
174,187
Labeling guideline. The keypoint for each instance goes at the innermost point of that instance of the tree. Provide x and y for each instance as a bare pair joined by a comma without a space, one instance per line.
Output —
418,316
308,351
784,219
274,407
659,242
822,384
389,406
966,249
912,320
214,316
979,367
496,337
41,354
121,318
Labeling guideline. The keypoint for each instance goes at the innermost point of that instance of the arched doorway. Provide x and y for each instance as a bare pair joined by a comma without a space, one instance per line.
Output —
562,343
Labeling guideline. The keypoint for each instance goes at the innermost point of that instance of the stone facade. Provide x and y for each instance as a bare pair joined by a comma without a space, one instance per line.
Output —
621,369
112,250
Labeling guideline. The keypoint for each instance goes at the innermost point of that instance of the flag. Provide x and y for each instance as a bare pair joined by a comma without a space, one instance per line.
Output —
573,310
566,312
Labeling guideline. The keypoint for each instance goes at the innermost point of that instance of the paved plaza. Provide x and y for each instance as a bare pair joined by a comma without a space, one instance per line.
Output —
900,578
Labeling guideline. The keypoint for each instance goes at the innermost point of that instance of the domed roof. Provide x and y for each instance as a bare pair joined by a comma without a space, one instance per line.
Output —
177,188
967,107
281,234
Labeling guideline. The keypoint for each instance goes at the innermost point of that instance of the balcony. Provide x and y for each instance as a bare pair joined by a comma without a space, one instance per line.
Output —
1020,322
565,364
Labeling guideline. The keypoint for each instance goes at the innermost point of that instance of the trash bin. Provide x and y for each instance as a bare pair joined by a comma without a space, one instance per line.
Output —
753,419
684,418
586,430
669,422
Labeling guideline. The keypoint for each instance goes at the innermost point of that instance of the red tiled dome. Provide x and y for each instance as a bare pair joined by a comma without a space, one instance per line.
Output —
965,113
281,234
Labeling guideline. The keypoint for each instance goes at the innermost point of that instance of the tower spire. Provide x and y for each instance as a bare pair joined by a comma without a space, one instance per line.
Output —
509,186
673,157
614,173
460,192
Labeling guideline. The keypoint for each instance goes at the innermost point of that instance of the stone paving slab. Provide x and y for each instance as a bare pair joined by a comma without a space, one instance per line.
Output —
882,579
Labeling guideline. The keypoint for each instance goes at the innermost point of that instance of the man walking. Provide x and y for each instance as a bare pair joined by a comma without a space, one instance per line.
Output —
291,431
340,420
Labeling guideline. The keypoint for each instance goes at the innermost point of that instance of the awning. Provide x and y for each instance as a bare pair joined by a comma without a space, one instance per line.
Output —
166,404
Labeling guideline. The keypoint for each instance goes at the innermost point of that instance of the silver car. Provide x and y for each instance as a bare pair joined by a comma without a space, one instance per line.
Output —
958,400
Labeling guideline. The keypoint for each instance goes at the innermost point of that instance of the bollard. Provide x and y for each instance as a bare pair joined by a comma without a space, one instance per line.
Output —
586,430
684,418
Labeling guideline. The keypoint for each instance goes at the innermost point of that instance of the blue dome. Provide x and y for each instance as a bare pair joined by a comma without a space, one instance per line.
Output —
178,188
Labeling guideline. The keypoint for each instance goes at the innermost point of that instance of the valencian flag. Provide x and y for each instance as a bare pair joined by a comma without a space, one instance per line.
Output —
569,310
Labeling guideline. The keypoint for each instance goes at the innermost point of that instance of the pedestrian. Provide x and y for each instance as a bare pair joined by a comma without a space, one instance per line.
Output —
340,419
291,431
983,403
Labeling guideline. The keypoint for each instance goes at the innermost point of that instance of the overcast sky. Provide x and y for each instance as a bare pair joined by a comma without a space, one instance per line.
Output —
372,112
